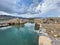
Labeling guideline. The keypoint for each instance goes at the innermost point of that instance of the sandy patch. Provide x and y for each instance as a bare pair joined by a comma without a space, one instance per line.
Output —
44,40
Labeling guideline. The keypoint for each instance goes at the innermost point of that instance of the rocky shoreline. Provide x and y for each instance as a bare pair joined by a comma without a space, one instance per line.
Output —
14,21
53,28
52,25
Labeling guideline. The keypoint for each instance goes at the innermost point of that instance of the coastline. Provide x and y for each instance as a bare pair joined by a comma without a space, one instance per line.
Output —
44,38
53,30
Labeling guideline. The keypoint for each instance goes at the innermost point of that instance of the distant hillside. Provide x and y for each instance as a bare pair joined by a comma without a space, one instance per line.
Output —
10,17
6,17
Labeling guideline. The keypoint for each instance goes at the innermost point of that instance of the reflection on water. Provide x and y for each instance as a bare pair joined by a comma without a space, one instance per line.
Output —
21,36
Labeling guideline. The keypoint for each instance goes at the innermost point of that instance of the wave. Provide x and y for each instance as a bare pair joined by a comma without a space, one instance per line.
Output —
29,24
6,27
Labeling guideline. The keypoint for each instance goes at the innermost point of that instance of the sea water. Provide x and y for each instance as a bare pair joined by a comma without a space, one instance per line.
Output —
18,36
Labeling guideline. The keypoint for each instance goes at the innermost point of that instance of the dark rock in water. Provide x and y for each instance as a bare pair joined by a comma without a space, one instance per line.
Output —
37,26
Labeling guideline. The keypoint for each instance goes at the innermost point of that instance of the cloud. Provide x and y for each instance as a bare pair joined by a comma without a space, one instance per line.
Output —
8,6
18,6
47,5
3,13
30,8
49,8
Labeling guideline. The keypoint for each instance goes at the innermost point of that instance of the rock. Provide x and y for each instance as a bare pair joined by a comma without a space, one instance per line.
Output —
37,26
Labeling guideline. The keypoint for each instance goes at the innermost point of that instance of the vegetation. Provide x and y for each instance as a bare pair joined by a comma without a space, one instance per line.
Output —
31,20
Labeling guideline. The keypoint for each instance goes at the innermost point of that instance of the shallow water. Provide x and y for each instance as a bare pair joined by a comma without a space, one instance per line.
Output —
18,36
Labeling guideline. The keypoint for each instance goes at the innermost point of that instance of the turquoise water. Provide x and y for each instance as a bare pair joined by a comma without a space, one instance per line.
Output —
18,36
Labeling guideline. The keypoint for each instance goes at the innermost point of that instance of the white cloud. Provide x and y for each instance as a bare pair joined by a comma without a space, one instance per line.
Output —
9,6
10,14
36,9
3,13
28,15
47,5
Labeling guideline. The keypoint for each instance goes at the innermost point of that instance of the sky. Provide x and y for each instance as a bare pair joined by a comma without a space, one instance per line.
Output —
30,8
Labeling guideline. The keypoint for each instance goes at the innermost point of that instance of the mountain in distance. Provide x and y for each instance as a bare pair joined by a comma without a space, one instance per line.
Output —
11,17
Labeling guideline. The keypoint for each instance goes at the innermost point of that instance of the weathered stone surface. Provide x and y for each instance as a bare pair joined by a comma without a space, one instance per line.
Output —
11,22
37,26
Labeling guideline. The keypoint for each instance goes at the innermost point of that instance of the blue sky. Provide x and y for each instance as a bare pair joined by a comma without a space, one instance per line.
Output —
30,8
